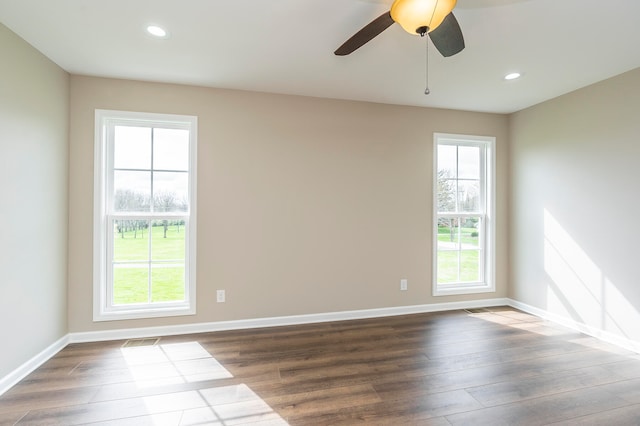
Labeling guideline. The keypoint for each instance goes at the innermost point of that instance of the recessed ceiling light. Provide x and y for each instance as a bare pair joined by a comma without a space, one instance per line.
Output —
157,31
512,76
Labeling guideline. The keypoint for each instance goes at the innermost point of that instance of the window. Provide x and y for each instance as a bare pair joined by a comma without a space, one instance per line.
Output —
464,225
144,215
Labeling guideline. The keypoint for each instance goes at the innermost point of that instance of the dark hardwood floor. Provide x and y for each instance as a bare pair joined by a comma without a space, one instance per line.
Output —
495,366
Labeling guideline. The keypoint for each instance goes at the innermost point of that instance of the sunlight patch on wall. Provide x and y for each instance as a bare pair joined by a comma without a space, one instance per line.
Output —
578,279
621,317
580,290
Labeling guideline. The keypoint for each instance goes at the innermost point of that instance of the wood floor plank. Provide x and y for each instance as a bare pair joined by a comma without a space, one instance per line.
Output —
471,377
629,390
10,402
516,370
542,411
12,417
625,416
325,400
499,356
401,412
513,390
628,368
434,349
133,390
115,410
164,419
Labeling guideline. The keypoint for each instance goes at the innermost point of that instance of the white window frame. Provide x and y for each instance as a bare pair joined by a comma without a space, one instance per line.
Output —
487,229
103,309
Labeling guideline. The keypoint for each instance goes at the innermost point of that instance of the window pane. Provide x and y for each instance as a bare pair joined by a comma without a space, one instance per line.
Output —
171,149
447,267
470,266
132,191
469,196
130,277
170,191
469,233
446,194
448,234
167,283
130,283
131,240
469,162
168,239
168,246
447,159
132,147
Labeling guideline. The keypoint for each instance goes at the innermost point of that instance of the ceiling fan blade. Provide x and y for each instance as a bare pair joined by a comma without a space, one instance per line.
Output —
447,38
365,35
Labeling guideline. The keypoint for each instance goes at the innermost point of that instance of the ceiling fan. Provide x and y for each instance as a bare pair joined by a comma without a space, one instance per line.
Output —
433,17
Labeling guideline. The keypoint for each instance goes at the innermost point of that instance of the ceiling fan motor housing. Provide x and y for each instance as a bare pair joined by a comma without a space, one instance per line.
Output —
415,15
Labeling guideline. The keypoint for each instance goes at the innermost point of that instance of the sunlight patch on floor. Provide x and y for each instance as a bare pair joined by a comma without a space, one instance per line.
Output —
189,362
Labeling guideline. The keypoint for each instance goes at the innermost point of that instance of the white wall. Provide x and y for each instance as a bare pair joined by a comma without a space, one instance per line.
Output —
575,199
34,117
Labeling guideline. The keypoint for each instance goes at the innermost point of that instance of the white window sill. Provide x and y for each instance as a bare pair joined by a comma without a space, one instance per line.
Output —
127,314
463,289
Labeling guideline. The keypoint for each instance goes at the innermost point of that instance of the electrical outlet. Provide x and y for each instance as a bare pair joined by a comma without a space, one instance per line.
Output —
403,284
220,296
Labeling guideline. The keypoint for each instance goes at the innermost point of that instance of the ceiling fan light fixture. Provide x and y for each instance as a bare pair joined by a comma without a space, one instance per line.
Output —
415,14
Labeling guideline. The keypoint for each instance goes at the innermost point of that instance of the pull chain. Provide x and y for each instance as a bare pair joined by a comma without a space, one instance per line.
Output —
423,31
426,90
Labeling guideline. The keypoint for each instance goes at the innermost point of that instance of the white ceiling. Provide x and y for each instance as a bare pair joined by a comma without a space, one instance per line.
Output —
286,46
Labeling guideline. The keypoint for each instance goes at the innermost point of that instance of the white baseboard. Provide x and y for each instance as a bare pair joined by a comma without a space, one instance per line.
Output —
605,336
25,369
134,333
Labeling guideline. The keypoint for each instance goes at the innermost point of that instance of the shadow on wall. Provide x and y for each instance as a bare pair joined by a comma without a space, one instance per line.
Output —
579,289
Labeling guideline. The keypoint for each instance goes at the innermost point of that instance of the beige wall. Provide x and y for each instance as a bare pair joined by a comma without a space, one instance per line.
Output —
574,206
34,117
304,205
